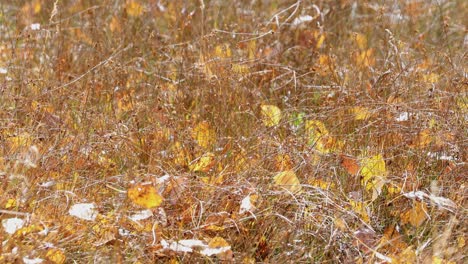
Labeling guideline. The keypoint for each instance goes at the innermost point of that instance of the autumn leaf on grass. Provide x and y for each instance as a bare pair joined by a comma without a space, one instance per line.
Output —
350,164
56,256
315,132
134,8
204,163
22,140
373,173
423,139
416,215
319,137
365,58
181,155
271,115
361,113
144,195
220,248
288,180
283,162
204,134
361,40
360,208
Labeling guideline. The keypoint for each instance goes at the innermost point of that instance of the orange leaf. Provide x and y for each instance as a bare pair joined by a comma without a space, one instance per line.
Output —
350,164
415,216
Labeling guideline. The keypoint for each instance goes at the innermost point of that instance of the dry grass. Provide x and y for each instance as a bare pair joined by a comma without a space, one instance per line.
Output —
105,95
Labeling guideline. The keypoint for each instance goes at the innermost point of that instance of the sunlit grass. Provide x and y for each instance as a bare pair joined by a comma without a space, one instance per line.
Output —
258,131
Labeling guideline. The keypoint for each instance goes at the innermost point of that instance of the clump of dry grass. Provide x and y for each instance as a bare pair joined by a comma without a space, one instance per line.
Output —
97,98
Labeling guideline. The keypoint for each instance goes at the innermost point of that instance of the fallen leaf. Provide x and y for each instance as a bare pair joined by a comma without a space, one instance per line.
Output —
361,40
204,163
373,173
288,180
416,215
350,164
204,135
134,8
56,256
145,195
283,162
361,113
271,115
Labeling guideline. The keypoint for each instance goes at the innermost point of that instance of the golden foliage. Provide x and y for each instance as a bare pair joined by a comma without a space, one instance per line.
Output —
374,174
415,216
56,256
204,135
203,163
134,8
288,180
271,115
144,195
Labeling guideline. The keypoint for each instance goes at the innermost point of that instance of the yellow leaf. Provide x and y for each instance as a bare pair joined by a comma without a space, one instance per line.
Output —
10,203
407,256
461,242
221,247
361,41
288,180
181,155
271,115
204,134
319,137
283,162
218,242
423,139
416,215
252,47
462,103
204,163
222,51
324,185
320,40
22,140
431,78
373,173
145,195
134,8
56,256
365,58
240,68
361,113
315,131
115,25
360,208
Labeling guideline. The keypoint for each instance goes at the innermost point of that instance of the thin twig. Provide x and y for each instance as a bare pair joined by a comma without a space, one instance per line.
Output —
13,213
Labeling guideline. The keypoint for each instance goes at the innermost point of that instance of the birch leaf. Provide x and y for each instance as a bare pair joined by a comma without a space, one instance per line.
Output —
288,180
271,115
373,173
